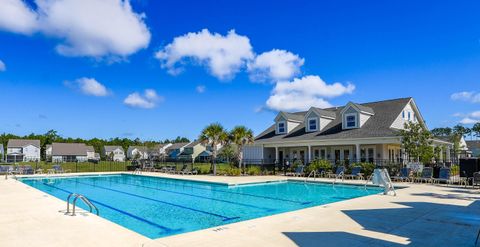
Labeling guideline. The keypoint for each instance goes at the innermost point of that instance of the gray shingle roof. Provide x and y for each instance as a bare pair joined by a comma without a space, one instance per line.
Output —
112,148
377,126
473,145
193,144
298,116
324,113
177,145
364,108
77,149
18,143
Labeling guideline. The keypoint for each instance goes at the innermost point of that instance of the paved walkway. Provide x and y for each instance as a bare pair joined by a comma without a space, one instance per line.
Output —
420,215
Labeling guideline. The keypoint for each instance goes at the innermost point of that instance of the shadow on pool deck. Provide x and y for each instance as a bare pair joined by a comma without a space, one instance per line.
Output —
423,224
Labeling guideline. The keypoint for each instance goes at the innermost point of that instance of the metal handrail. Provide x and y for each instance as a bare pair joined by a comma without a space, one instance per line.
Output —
137,171
310,174
76,196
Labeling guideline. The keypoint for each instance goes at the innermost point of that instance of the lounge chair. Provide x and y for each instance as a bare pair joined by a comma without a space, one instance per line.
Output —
404,175
443,176
356,173
26,170
299,171
339,173
59,169
476,179
187,171
427,175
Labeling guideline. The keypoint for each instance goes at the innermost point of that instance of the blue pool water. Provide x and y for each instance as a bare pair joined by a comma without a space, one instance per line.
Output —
159,207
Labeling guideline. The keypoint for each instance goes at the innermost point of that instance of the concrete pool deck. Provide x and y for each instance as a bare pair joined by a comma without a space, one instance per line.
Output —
420,215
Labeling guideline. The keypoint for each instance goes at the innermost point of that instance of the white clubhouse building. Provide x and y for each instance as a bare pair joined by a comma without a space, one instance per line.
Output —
367,132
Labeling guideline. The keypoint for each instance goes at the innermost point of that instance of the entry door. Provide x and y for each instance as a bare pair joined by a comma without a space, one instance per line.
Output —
280,156
371,155
337,155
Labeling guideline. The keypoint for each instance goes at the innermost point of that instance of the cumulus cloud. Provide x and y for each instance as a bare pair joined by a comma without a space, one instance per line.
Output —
275,65
302,93
148,100
88,86
200,89
17,17
470,118
85,27
3,67
468,96
223,55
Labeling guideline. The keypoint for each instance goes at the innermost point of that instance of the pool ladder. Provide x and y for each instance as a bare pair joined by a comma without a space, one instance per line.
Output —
84,199
137,171
309,175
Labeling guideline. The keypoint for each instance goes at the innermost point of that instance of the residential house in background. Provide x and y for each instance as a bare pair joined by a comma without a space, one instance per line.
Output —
114,153
140,152
174,150
158,151
354,132
71,152
474,147
48,152
23,150
191,151
2,152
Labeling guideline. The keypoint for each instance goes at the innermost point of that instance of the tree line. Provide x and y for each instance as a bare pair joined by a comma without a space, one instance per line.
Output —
52,136
417,140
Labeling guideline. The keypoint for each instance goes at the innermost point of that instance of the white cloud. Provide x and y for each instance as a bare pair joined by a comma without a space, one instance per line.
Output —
223,55
148,100
302,93
275,65
200,89
17,17
470,118
470,96
89,86
3,67
108,28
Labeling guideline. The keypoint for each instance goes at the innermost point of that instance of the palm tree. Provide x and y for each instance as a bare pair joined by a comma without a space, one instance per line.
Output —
476,129
241,136
213,135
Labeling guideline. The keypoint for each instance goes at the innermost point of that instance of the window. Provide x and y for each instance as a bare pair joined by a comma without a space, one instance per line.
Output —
408,116
281,127
351,120
312,124
403,114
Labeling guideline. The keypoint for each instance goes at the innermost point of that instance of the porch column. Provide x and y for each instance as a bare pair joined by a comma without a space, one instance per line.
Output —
309,153
357,152
276,155
447,154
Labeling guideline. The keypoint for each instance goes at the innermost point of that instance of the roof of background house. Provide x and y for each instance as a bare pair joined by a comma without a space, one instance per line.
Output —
377,125
473,144
193,144
444,138
77,149
112,148
177,145
140,148
90,149
18,143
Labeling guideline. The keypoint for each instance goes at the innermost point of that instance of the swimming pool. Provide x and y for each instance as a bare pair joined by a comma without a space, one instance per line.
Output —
158,207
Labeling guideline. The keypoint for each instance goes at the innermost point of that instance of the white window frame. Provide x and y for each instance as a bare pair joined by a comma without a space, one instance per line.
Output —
346,122
308,124
284,127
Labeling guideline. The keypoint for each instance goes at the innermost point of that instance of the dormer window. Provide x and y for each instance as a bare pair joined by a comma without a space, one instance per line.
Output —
351,120
408,116
312,124
281,128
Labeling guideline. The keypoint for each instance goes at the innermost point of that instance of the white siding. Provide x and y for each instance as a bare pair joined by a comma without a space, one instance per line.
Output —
400,120
324,122
253,152
291,125
31,153
363,119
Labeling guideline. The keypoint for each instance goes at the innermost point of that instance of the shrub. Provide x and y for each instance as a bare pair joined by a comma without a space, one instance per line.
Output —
319,164
367,168
254,171
455,170
232,171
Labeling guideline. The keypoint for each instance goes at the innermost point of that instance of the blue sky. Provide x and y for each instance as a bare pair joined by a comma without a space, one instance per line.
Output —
373,50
